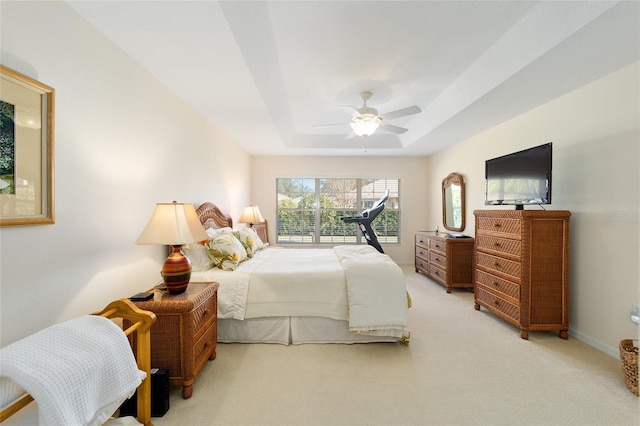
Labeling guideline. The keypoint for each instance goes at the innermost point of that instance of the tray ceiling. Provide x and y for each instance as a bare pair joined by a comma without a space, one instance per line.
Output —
266,72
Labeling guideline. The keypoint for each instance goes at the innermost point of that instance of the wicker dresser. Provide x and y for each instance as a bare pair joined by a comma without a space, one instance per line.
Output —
522,267
185,333
446,260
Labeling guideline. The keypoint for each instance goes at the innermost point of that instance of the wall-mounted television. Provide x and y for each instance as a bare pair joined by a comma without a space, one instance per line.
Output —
519,178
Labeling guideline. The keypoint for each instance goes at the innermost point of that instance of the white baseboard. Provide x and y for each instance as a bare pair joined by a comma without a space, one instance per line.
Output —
612,352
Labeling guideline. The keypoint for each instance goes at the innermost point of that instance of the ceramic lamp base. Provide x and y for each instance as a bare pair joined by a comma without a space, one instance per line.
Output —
176,271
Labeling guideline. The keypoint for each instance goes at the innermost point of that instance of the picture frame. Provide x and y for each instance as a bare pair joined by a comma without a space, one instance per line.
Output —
27,124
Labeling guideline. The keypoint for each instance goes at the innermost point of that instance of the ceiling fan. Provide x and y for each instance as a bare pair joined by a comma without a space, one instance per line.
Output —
366,120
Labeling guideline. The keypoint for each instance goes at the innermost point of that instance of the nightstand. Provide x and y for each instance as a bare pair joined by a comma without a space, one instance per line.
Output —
184,335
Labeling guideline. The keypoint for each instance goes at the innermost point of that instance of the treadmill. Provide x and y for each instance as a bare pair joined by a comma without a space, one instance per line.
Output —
364,219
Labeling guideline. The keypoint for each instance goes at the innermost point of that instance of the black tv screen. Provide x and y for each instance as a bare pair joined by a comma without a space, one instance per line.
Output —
520,178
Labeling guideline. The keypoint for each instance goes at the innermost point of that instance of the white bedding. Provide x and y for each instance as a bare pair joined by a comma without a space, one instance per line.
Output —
350,283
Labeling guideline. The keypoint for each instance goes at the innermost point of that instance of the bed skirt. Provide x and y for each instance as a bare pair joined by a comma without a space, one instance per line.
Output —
291,330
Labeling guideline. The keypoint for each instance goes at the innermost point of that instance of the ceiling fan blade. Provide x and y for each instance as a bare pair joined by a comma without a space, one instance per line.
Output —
318,126
353,108
393,129
401,112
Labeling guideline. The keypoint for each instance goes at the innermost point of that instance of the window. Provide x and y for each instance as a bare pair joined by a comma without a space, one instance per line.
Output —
310,210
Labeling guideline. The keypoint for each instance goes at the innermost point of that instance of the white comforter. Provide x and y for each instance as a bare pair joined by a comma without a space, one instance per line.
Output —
353,283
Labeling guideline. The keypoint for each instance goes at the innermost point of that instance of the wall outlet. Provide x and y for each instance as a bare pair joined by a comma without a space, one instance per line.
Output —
635,314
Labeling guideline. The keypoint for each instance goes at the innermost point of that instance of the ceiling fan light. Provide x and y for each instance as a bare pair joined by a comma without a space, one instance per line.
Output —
365,126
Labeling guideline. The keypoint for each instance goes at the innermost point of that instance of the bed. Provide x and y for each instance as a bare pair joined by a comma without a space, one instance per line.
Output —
345,294
79,371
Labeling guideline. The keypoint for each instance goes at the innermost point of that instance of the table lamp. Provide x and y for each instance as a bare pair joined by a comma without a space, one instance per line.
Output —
174,224
251,215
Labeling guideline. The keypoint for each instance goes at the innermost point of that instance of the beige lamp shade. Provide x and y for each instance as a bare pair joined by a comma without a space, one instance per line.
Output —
251,214
173,224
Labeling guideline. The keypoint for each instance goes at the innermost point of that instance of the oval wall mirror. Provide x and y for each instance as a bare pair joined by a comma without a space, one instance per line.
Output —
453,202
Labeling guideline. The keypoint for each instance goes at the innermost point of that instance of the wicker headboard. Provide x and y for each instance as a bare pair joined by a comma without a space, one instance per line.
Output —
211,216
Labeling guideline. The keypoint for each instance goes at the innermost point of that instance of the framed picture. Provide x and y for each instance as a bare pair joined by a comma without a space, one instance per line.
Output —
26,150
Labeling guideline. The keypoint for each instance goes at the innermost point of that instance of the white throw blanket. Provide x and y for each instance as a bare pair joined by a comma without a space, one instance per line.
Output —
74,370
376,291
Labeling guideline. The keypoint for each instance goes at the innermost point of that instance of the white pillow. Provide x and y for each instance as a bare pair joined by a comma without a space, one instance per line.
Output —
197,254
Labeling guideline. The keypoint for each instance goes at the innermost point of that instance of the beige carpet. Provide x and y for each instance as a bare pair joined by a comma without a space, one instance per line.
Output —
462,367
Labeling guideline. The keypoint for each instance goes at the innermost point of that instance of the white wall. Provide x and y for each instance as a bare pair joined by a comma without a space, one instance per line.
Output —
123,143
412,173
595,133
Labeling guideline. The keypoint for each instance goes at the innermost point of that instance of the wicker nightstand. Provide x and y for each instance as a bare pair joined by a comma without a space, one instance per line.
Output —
185,333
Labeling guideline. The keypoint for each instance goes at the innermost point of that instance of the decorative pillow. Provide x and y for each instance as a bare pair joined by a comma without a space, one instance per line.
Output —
250,240
198,255
226,251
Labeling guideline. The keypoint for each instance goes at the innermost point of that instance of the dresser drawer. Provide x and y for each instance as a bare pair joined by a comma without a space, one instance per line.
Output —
496,303
422,252
502,245
437,245
422,265
422,240
203,313
499,265
438,274
438,258
505,287
203,347
500,225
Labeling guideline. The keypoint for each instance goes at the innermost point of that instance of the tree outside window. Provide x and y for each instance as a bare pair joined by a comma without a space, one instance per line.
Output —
310,209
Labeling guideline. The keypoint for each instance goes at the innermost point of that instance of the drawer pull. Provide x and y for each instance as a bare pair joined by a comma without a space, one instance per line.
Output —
497,225
496,303
437,245
208,344
495,283
207,311
496,264
496,244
